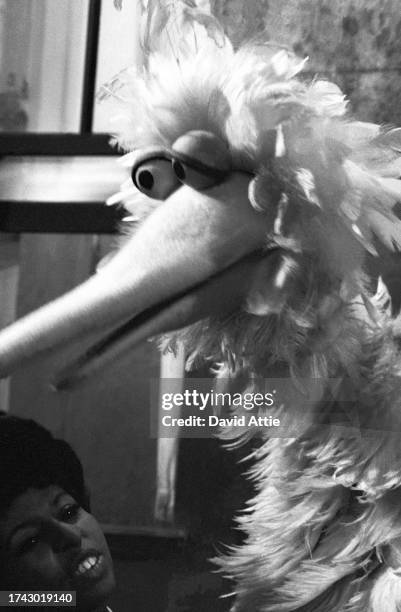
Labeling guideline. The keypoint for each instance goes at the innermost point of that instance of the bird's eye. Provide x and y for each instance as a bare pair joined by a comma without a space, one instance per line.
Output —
195,177
200,159
155,178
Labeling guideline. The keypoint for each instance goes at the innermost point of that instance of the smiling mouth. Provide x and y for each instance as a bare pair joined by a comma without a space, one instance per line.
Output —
90,567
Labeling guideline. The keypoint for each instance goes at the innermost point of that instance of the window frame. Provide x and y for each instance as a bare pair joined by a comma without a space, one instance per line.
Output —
84,142
28,216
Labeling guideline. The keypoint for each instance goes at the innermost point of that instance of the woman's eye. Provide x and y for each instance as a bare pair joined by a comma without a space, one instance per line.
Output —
70,513
28,544
155,178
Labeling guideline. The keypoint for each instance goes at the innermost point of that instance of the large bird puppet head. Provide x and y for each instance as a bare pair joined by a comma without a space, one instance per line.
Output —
257,197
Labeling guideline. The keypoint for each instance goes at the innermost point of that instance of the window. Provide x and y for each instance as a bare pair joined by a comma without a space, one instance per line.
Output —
54,54
121,26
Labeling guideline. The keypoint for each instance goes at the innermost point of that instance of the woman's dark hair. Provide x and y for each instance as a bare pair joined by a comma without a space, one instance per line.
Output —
31,457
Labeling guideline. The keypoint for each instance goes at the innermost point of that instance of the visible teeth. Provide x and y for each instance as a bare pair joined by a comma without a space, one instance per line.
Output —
86,565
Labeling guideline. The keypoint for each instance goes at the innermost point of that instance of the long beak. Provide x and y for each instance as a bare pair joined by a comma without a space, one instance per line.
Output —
189,239
224,292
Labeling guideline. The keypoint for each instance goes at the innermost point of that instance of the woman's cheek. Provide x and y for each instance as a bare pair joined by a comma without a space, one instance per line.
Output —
41,572
91,531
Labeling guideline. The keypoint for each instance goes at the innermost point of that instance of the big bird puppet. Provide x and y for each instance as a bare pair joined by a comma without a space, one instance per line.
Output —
258,200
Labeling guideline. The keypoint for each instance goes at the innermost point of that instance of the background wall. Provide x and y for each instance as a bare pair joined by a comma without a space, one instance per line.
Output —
357,43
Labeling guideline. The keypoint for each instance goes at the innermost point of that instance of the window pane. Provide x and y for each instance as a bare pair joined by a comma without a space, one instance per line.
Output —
42,53
118,49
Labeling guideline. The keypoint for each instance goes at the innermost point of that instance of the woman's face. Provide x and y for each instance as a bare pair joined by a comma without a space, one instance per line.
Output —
48,542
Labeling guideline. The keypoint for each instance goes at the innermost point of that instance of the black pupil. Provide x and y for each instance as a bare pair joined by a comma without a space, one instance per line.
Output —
145,179
179,170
